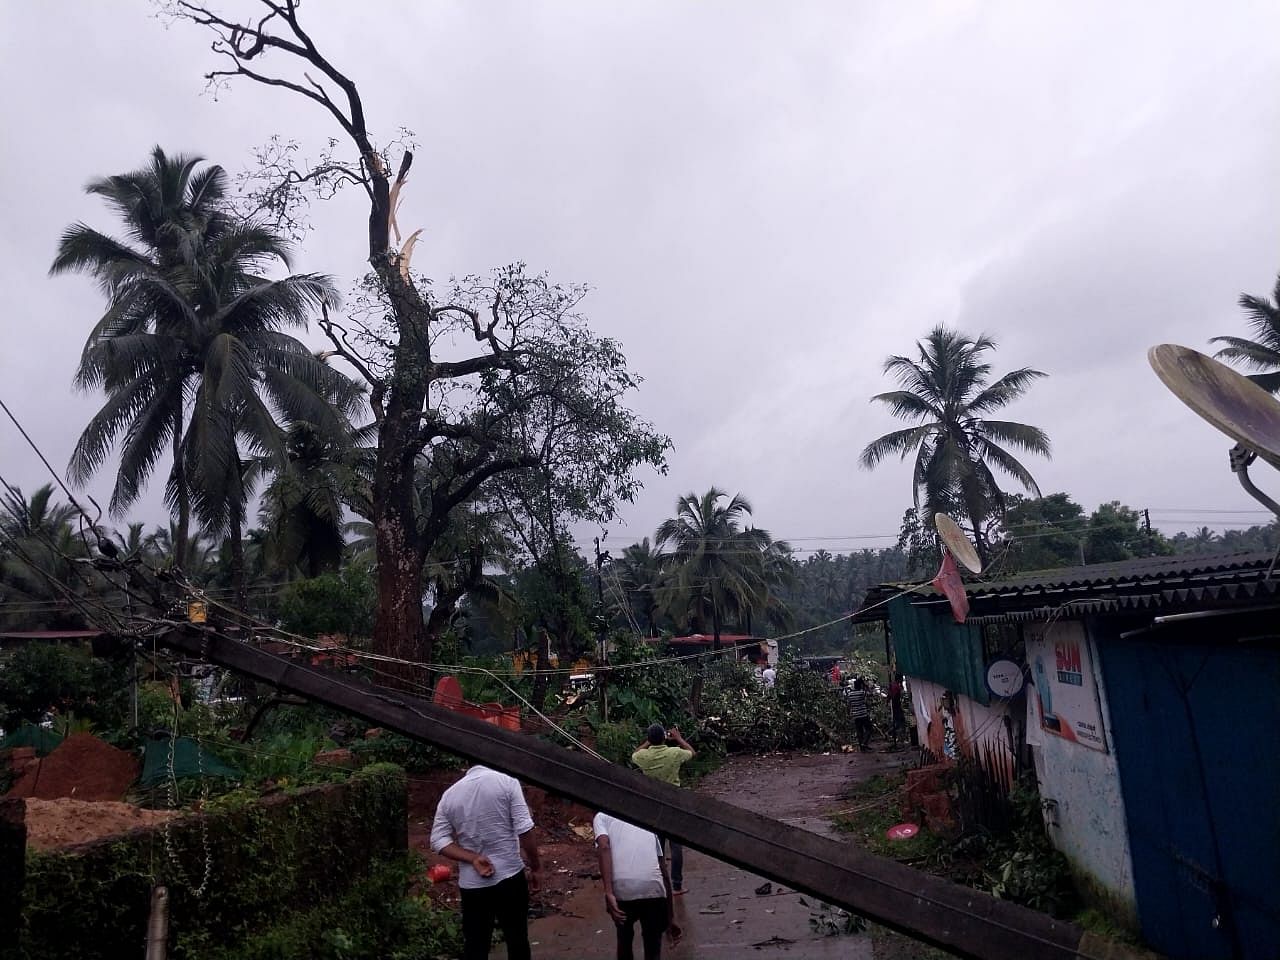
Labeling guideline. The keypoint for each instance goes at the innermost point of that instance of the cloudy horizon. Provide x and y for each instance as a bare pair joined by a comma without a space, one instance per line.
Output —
765,205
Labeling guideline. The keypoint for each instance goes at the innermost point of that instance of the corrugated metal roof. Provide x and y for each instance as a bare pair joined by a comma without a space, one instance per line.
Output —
1128,586
1148,570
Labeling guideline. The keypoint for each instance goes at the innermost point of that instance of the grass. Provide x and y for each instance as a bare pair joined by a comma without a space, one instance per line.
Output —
877,807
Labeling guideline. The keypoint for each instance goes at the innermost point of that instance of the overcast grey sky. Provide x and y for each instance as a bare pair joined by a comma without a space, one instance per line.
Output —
767,198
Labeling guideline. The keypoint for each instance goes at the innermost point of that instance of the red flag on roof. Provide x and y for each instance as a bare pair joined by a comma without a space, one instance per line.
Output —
948,581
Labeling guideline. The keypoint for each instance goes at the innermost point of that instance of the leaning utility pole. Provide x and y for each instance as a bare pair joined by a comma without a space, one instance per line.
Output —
927,908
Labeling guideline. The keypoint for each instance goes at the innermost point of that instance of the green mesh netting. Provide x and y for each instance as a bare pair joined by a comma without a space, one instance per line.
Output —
29,735
189,759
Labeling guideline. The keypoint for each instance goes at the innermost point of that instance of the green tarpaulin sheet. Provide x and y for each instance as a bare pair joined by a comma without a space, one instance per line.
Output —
29,735
189,760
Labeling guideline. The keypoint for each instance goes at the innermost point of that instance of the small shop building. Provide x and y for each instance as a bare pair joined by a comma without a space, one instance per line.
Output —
1145,695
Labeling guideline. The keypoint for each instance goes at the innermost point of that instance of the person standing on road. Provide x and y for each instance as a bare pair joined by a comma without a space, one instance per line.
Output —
897,719
657,759
636,885
861,712
483,822
770,676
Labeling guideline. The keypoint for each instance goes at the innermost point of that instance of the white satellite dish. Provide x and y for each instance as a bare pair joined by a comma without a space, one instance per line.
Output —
1229,401
955,540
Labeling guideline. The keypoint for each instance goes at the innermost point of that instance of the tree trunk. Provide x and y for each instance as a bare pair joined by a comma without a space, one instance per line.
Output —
540,677
237,560
398,630
184,498
715,623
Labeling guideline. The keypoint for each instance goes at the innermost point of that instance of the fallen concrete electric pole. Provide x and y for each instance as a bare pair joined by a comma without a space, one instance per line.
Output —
958,919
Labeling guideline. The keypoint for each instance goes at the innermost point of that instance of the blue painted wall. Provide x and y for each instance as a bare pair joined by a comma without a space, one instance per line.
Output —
1195,725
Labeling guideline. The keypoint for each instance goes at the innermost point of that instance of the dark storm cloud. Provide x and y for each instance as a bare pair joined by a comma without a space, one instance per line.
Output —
766,199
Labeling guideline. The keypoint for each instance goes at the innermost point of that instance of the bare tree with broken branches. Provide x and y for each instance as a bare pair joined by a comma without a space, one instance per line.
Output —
536,382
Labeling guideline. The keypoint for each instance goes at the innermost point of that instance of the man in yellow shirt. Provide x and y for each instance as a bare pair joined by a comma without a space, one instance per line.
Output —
662,761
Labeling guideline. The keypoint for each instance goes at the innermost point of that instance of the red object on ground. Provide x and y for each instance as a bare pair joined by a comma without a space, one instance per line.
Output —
949,583
81,767
440,873
448,694
902,831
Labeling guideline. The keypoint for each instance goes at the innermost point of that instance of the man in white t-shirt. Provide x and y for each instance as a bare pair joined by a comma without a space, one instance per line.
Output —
636,885
483,822
769,676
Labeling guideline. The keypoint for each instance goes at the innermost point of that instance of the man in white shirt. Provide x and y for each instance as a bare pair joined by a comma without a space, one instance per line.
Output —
483,822
636,885
769,676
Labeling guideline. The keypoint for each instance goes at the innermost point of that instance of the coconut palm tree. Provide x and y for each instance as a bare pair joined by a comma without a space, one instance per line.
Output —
1263,352
169,209
640,575
304,502
947,393
40,575
193,351
246,372
195,559
717,565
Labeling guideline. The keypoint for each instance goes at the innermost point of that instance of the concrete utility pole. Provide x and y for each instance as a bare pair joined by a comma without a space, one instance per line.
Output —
158,924
602,643
927,908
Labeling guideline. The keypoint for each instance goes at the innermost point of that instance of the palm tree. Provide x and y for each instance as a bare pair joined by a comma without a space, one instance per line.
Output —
640,575
195,330
169,209
947,392
1263,352
246,370
39,569
303,504
717,566
195,559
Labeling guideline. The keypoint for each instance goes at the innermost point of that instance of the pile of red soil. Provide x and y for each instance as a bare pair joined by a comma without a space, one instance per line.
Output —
82,768
59,823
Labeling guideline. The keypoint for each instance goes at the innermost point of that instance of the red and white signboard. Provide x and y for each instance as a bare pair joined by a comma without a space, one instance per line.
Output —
1065,694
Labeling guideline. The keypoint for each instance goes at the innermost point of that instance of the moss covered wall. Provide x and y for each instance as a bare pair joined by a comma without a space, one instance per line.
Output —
270,858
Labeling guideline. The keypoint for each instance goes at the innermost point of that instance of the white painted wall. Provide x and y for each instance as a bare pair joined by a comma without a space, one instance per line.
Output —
973,723
1086,820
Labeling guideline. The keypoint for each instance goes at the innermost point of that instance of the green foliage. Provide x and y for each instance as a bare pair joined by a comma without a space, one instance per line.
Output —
43,678
342,603
1019,864
803,711
720,569
1023,866
270,860
1116,532
1047,532
617,740
376,920
1259,538
946,394
1262,353
412,755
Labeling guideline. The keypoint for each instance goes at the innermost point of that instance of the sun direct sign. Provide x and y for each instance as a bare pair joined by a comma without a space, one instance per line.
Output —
1066,694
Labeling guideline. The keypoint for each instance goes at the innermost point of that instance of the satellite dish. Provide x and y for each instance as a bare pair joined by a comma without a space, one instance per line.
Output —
1230,401
956,541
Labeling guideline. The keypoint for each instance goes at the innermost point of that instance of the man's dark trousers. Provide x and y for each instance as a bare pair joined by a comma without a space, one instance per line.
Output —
507,902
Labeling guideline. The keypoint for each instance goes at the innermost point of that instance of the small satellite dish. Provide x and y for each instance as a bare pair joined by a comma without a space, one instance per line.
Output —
1230,401
956,541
